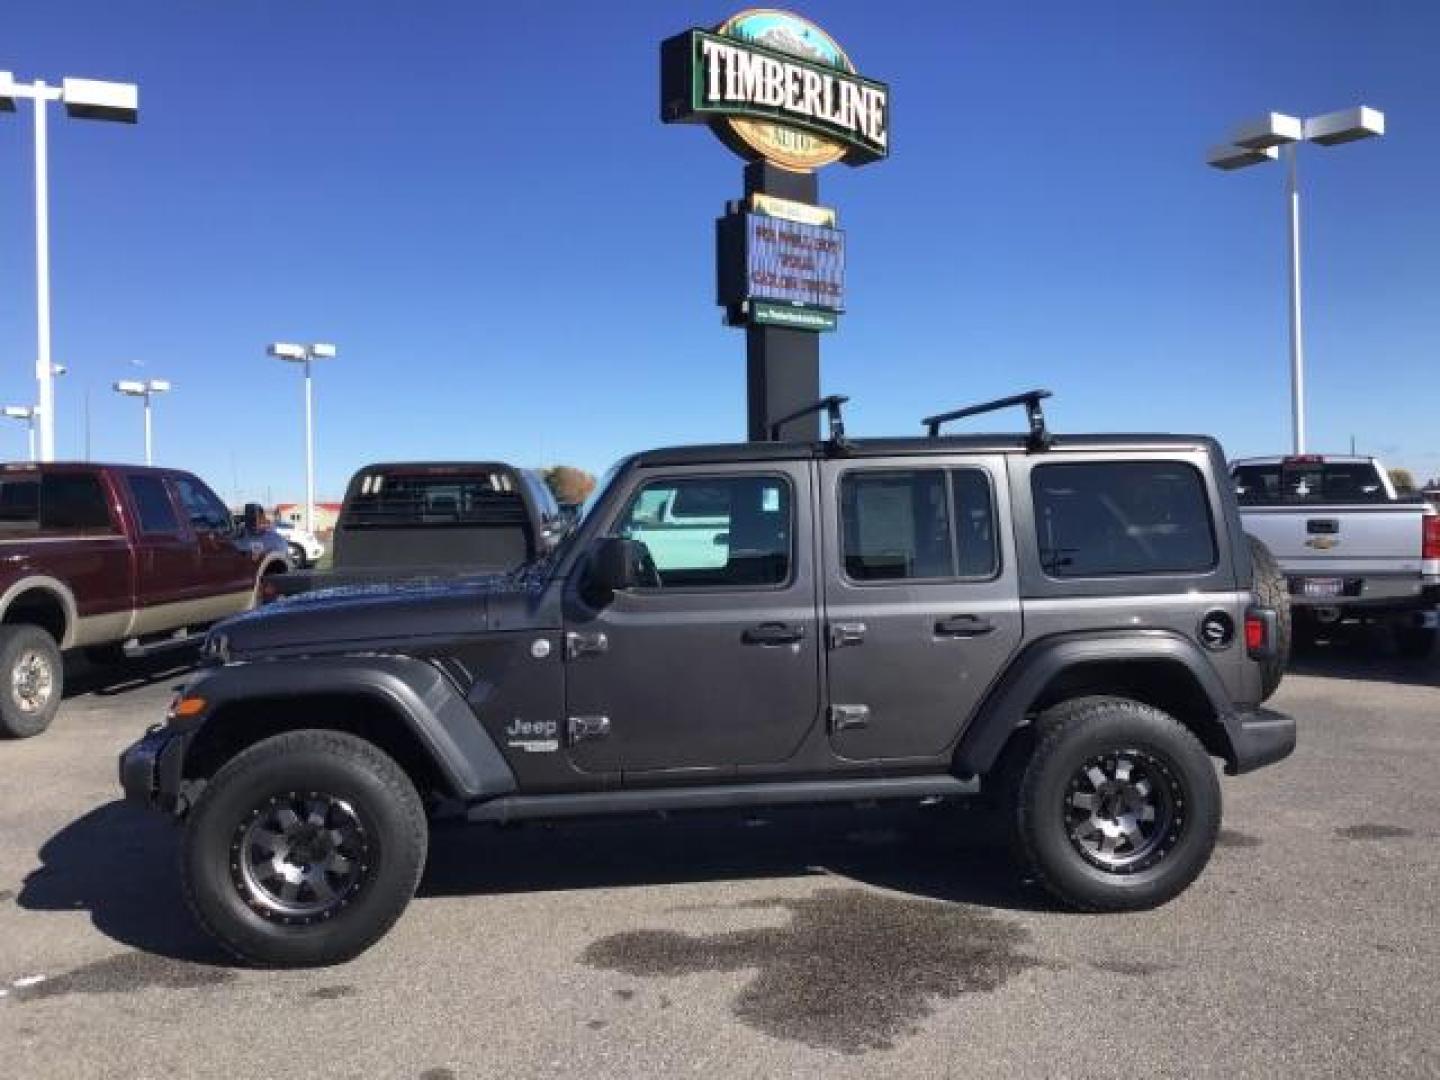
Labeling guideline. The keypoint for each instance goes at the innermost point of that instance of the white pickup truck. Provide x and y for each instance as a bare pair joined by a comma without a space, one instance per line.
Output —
1350,547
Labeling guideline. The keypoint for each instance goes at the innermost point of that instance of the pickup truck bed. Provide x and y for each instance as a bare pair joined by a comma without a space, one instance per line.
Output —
405,521
1349,546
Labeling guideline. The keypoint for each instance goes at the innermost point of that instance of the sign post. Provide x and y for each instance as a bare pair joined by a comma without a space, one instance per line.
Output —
780,92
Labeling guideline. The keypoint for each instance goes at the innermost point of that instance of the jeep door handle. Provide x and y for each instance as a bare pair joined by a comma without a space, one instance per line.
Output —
773,633
963,626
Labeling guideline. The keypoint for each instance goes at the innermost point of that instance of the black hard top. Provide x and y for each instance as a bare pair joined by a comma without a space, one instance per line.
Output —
917,446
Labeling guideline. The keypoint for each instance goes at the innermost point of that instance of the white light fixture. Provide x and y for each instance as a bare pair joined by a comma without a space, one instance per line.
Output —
92,99
1257,142
1272,129
303,354
1230,156
1344,126
85,99
145,390
26,413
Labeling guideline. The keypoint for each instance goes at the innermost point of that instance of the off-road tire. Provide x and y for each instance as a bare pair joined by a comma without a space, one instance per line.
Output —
1270,590
1415,642
1071,736
23,713
297,557
336,765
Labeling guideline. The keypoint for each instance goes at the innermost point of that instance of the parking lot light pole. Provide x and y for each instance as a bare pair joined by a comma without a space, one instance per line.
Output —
26,413
1260,141
146,390
84,99
303,354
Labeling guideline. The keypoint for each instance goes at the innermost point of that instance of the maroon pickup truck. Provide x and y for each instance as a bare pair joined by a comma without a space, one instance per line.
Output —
120,558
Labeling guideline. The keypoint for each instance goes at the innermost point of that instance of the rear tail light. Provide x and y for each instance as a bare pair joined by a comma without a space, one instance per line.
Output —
1260,633
1430,537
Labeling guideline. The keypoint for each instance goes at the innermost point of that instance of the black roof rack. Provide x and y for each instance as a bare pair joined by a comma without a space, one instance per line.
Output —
830,406
1039,435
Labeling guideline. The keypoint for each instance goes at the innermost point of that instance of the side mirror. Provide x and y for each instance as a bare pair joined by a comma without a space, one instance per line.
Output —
615,565
254,517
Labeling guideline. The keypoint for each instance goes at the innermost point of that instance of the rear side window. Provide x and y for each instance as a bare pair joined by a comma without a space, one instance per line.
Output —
152,504
922,524
20,504
74,502
1122,517
58,502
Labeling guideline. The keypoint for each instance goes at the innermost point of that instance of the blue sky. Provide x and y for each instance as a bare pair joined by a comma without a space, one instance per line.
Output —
514,255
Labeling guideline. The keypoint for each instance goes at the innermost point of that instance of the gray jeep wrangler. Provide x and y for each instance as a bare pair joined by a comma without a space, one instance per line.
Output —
1075,625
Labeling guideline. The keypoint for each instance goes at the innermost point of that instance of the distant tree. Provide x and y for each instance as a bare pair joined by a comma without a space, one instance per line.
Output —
569,485
1403,480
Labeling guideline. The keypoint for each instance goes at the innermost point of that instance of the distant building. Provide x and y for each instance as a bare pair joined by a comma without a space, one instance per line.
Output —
326,514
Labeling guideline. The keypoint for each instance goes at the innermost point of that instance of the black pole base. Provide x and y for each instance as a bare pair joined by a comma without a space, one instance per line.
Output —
782,365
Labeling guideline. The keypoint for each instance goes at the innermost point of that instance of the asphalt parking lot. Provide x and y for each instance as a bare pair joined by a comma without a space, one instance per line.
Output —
842,942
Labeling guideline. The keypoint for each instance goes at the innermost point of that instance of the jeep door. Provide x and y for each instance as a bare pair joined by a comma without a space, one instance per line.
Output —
922,606
714,663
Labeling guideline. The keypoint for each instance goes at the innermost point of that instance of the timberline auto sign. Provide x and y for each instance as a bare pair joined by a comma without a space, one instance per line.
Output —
773,85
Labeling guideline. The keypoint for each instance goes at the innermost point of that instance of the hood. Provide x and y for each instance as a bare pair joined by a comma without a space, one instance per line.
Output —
374,615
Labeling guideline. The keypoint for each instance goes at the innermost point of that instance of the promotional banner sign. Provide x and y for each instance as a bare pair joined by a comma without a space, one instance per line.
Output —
780,272
774,86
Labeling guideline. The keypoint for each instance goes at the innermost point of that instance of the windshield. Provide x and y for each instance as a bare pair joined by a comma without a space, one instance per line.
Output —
1308,482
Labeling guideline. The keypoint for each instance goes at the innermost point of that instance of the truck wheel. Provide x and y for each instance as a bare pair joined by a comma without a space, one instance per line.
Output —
1415,642
33,677
1117,807
304,849
297,557
1271,591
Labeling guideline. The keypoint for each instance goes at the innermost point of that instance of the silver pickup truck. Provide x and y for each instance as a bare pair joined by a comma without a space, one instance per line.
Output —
1350,547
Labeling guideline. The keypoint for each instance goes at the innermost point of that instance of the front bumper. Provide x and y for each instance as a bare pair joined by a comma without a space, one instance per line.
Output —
1259,737
151,771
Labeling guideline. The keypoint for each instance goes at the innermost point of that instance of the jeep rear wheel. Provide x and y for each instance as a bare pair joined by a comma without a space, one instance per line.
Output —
32,681
304,849
1117,807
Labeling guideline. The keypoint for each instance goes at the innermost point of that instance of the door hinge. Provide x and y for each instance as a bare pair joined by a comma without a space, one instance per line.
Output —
580,728
578,645
844,717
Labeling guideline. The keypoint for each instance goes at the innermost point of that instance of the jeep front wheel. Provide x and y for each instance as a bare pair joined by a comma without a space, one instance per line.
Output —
304,849
1117,807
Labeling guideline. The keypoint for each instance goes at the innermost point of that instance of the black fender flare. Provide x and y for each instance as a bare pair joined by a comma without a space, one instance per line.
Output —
1011,700
414,691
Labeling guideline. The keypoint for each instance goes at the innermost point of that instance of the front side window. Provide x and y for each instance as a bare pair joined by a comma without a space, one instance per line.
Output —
714,532
1122,517
922,524
206,512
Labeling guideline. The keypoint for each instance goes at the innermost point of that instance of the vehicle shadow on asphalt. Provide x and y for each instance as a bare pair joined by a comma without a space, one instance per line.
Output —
948,853
1363,654
119,863
83,676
